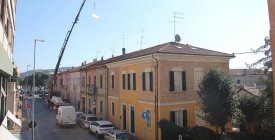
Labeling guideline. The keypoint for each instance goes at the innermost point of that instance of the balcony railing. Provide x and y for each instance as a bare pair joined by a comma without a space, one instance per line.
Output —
92,90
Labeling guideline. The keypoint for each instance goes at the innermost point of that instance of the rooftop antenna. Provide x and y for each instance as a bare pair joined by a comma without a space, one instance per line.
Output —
141,38
179,16
123,38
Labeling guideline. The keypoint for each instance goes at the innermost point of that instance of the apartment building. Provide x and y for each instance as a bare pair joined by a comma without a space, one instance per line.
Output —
7,30
271,11
161,80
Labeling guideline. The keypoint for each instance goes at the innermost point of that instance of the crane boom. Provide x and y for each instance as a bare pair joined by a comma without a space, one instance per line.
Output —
63,49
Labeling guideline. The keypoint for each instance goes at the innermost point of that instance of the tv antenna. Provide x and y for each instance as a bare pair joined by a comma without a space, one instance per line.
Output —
179,16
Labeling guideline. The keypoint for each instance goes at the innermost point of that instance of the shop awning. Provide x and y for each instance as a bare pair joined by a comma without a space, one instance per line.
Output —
3,92
13,118
5,134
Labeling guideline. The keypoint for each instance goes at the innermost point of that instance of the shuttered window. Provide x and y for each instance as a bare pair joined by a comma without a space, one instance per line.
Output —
147,81
123,81
177,80
131,80
179,117
113,81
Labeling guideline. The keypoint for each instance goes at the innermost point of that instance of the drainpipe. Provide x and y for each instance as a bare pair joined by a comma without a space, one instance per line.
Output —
156,99
107,94
86,90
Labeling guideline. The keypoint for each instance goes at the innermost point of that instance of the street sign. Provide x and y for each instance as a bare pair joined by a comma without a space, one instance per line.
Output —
145,115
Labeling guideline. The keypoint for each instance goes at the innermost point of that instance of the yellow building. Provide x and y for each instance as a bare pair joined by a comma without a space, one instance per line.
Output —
162,81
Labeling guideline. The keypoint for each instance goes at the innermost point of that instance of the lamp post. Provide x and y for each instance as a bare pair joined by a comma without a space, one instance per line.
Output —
39,40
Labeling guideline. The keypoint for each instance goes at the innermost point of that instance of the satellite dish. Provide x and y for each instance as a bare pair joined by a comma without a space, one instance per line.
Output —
177,38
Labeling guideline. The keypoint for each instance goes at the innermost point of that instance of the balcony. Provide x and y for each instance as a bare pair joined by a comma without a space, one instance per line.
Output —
92,90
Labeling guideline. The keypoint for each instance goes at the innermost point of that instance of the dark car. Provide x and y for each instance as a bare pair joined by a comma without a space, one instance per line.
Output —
86,119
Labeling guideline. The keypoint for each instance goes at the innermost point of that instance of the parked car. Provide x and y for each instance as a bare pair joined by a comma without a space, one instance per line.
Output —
116,135
86,119
78,114
66,115
101,127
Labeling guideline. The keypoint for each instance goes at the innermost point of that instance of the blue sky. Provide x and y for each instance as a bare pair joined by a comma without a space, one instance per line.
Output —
222,25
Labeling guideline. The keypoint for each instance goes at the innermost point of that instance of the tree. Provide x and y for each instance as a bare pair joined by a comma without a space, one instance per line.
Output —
41,79
266,101
215,97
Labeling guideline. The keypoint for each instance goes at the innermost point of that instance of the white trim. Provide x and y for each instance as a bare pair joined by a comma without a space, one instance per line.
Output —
147,70
178,109
123,72
146,102
113,97
177,103
112,73
177,69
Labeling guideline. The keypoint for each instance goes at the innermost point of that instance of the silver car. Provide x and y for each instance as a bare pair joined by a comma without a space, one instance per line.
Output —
85,120
116,135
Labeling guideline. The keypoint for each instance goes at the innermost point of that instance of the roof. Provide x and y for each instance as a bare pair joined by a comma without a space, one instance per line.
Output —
166,48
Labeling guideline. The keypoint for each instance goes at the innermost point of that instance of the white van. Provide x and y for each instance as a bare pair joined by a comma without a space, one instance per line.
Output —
66,115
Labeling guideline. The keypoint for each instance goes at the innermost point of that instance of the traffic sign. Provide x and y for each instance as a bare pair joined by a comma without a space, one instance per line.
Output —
145,115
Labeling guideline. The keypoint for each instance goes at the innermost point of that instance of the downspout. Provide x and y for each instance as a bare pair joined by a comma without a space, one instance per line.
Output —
106,94
86,90
156,99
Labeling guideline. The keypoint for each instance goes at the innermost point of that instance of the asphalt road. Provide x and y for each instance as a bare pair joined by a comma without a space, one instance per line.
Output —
46,128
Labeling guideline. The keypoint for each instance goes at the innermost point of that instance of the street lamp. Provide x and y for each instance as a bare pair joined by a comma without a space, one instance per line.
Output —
39,40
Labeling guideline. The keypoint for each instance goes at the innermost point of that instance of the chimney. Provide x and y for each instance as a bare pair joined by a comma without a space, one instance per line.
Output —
101,58
123,51
84,62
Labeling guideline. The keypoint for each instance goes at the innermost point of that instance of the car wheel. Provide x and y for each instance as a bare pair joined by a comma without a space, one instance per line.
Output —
96,134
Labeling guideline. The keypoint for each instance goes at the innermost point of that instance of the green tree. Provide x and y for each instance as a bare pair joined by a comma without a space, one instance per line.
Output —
41,79
266,111
215,97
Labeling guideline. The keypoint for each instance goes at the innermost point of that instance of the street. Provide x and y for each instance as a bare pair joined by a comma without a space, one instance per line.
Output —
46,128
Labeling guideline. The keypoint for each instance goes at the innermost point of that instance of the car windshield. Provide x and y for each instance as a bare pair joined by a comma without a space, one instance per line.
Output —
106,125
92,119
122,136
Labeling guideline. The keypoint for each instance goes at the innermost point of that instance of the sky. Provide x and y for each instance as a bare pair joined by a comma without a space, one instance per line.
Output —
229,26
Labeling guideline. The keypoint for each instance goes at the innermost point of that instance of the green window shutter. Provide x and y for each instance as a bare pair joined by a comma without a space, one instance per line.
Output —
134,81
128,80
183,80
151,80
172,117
143,81
171,81
123,81
113,81
184,118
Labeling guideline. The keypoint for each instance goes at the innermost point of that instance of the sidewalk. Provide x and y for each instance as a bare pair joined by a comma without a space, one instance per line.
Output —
22,133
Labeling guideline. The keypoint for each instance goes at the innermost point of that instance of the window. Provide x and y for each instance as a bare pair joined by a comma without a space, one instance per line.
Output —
148,122
177,80
101,107
83,81
113,81
95,80
89,80
61,81
113,108
179,117
131,81
132,113
123,81
124,117
101,81
147,81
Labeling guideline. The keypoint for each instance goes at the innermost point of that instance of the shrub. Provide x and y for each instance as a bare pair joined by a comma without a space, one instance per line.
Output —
202,133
